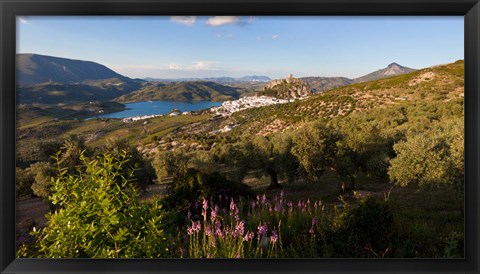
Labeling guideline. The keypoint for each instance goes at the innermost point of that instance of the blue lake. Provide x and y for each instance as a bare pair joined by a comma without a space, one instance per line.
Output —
159,107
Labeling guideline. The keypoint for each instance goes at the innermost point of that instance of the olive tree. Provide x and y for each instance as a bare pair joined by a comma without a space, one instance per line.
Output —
315,147
432,158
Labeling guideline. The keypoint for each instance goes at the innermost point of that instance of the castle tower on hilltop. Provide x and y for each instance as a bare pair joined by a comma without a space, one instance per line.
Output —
289,78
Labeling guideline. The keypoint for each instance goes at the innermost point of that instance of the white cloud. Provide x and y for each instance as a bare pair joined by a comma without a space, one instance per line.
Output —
266,37
22,20
172,70
202,65
198,65
172,66
217,21
185,20
225,35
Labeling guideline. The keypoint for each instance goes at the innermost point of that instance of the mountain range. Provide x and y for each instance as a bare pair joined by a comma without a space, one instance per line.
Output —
32,69
321,84
48,79
220,80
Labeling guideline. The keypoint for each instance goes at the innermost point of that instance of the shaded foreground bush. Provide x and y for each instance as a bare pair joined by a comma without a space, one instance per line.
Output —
98,215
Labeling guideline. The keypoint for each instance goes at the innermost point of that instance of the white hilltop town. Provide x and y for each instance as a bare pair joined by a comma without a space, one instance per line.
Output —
229,107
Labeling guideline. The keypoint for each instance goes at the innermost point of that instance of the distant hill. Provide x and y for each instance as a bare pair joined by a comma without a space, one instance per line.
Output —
254,79
182,91
52,80
55,93
321,84
219,80
35,69
393,69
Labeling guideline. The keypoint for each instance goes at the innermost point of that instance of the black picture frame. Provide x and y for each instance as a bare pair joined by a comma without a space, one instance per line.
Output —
470,9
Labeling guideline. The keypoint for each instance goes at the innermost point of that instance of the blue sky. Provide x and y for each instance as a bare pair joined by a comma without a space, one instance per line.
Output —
176,47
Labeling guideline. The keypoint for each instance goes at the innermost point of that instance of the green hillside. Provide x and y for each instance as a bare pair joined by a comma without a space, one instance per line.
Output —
182,91
439,84
56,93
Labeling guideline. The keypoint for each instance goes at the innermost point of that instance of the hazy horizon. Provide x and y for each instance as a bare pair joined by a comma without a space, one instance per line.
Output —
233,46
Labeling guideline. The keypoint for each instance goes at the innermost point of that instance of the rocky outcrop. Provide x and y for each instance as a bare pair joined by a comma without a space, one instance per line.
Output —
289,88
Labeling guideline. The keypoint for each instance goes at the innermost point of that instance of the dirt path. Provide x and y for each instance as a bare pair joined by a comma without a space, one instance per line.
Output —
30,212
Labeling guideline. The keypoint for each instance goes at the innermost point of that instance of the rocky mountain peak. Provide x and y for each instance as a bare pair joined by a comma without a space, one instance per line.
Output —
392,65
394,69
391,70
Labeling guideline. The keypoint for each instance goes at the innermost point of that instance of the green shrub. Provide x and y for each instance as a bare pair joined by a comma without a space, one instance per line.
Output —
24,181
185,190
365,230
42,172
98,215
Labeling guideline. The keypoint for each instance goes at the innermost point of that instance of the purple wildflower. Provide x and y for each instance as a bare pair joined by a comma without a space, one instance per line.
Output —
189,215
248,236
237,215
262,230
192,229
264,198
208,230
214,213
239,229
218,229
205,204
274,237
189,230
196,226
314,221
277,208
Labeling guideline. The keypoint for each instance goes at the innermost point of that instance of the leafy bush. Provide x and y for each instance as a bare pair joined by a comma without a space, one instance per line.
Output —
365,230
24,181
187,189
143,172
98,215
43,173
